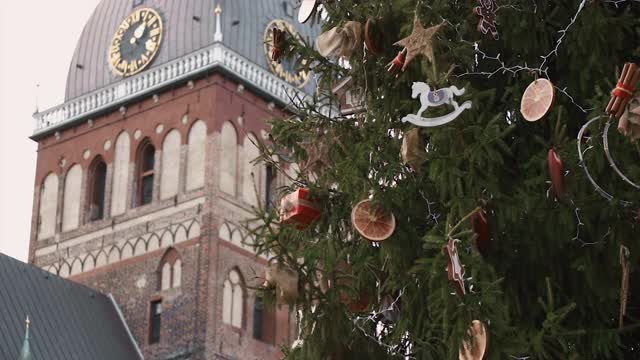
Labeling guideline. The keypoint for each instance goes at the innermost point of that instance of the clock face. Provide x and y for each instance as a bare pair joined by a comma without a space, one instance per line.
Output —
136,42
285,70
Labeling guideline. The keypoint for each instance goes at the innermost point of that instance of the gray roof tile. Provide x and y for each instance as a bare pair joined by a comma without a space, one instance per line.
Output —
68,321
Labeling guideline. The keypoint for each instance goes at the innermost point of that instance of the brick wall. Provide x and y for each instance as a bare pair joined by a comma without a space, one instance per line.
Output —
192,314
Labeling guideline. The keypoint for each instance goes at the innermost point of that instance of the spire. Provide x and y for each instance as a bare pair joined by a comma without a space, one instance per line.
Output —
25,354
218,35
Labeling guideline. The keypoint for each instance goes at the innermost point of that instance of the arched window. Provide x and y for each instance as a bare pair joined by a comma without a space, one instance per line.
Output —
196,155
48,206
233,299
97,182
145,162
71,199
170,173
170,270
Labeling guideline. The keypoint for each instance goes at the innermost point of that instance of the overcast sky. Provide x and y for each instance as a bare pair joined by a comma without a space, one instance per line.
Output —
37,40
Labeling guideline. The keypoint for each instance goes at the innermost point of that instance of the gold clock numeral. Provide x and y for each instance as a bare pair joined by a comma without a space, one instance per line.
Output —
154,32
151,45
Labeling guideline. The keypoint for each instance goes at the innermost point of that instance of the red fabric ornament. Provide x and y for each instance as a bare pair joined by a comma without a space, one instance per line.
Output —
481,228
396,65
556,171
298,209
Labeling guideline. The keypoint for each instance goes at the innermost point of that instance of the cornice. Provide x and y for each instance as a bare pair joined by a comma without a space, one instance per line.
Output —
216,57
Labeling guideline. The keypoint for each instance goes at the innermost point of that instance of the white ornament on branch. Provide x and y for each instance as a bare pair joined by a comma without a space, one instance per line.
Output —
434,98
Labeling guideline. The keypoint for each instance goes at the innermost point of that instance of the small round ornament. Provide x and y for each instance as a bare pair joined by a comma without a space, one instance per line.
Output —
372,222
556,171
307,9
476,348
537,100
373,36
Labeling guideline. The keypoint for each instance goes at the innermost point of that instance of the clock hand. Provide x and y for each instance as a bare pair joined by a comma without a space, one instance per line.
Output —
140,31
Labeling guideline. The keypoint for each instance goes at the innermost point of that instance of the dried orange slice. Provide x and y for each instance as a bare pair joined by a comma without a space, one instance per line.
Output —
372,223
476,347
537,100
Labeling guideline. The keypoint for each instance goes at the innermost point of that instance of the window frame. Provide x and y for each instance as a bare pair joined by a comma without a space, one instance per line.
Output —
91,191
142,173
269,182
171,257
151,339
242,288
267,323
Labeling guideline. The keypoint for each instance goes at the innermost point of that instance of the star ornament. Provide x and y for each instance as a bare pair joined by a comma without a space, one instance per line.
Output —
420,42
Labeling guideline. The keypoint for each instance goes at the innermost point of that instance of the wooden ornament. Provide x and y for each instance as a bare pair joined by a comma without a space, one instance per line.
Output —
420,42
284,280
372,222
350,98
318,159
341,42
373,37
428,98
476,347
481,228
537,100
307,9
455,269
556,172
488,19
413,149
629,124
621,95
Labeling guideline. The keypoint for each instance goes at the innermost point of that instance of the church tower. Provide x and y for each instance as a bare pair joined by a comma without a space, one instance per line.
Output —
144,173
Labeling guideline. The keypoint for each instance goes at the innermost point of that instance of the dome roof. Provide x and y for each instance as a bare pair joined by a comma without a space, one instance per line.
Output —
188,26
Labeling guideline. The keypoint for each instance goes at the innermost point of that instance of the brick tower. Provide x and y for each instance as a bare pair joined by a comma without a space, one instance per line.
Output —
144,173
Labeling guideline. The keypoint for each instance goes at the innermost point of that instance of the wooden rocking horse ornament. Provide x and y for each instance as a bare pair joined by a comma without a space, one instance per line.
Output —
435,98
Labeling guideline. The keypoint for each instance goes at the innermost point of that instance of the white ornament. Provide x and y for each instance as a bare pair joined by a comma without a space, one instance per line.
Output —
438,97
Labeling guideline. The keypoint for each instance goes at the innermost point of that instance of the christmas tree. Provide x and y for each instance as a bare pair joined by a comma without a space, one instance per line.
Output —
481,226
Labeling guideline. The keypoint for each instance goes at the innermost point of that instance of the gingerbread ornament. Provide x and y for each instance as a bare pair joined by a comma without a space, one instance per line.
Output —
455,269
488,19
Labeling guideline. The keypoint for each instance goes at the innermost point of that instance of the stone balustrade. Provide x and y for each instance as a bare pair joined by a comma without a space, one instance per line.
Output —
216,55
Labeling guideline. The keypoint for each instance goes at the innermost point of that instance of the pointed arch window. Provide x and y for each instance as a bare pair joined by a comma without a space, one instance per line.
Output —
97,186
233,299
170,270
146,164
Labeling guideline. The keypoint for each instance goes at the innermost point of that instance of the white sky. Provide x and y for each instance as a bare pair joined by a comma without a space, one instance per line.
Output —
37,40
